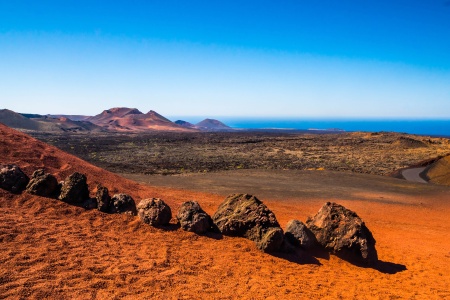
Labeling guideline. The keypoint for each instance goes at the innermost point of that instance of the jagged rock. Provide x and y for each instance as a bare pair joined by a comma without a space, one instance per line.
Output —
193,218
154,211
12,178
74,189
342,232
103,199
123,204
299,235
42,184
246,216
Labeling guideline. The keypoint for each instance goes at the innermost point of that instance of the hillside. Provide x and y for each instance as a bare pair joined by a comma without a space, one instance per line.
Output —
206,125
439,171
44,123
212,125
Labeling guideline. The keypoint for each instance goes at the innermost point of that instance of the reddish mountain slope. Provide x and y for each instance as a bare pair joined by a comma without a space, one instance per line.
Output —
131,119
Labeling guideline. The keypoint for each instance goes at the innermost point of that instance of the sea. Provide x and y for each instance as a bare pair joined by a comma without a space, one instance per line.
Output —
440,128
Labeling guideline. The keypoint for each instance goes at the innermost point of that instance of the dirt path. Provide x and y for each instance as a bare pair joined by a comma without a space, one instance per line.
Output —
414,174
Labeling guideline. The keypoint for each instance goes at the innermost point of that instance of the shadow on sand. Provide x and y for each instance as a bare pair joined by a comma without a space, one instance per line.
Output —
381,266
389,267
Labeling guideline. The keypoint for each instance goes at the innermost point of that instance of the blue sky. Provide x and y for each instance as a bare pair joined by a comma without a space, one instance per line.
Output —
306,59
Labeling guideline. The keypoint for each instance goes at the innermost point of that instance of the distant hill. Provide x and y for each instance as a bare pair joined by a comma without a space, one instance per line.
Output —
185,124
205,125
70,117
212,125
43,123
131,119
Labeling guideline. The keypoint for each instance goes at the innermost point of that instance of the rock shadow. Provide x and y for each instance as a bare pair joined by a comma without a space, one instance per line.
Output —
380,265
213,235
168,227
389,267
297,256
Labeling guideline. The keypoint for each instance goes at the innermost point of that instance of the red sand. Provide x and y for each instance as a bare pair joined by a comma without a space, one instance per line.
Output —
50,249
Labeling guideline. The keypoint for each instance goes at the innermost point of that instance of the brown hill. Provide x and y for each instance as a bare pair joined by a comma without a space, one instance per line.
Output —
71,117
212,125
439,171
408,142
131,119
44,123
51,250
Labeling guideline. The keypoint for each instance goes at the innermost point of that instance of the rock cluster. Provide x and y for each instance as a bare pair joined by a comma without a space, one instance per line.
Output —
342,232
334,228
246,216
193,218
12,178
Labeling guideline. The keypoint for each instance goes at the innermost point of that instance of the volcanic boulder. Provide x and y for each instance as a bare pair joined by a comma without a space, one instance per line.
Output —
299,235
42,184
342,232
123,204
12,178
246,216
154,211
74,189
103,199
193,218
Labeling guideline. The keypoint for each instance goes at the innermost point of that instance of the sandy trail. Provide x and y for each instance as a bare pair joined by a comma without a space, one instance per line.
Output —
413,174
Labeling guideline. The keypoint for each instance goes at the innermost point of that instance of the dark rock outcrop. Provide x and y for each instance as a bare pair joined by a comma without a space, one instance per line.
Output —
123,204
42,184
342,232
12,178
75,189
193,218
299,235
103,199
246,216
154,211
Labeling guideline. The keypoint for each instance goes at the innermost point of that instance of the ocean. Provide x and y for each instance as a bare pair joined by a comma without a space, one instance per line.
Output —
421,127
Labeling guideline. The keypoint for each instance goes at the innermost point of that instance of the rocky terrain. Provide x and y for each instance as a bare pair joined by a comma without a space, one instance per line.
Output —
54,247
185,153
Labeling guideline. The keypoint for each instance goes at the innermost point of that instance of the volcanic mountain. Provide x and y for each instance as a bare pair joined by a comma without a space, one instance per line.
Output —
206,125
37,122
212,125
131,119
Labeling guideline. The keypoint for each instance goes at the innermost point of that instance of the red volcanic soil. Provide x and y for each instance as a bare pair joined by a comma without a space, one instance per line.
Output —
50,249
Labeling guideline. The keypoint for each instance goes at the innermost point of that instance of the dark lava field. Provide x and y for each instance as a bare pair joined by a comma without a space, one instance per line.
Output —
169,153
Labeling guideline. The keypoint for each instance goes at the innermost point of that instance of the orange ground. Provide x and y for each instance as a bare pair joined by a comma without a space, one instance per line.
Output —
52,250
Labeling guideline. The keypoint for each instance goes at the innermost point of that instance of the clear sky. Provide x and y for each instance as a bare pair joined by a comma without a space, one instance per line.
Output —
345,59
